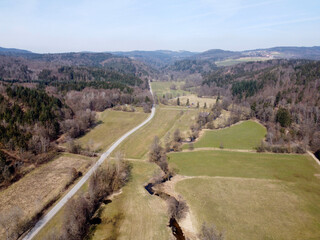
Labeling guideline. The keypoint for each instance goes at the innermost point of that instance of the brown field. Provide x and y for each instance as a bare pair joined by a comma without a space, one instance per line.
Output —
31,194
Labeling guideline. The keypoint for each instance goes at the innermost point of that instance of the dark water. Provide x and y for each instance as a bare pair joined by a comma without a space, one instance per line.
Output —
176,229
107,201
95,220
149,188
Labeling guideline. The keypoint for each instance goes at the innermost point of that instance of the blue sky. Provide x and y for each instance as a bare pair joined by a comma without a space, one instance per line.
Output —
97,25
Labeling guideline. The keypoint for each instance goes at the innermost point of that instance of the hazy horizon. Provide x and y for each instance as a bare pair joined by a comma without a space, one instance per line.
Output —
128,25
140,50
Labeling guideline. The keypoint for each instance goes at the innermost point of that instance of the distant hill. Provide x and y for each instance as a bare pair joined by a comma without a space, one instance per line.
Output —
211,59
105,60
12,51
153,61
157,59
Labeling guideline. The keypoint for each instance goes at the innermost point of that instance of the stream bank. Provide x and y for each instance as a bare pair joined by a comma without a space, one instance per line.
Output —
173,223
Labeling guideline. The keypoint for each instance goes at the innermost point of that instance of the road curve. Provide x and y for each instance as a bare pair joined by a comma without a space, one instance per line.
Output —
43,221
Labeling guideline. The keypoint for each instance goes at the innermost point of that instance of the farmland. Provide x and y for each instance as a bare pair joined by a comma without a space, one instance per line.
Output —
137,145
111,125
274,195
162,88
246,135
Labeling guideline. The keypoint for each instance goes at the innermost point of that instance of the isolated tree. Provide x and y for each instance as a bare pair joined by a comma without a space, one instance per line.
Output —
188,103
173,87
210,233
178,101
205,105
177,135
198,104
283,117
177,208
156,150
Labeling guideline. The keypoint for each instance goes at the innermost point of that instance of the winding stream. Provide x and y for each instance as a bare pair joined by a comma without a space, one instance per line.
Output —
173,223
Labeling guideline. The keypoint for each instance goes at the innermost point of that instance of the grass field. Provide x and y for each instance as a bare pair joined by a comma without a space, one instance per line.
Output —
138,144
251,195
230,62
184,122
287,167
36,189
246,135
134,214
113,125
250,209
161,88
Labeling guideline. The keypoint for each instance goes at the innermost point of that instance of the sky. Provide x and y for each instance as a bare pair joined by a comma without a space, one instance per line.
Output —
45,26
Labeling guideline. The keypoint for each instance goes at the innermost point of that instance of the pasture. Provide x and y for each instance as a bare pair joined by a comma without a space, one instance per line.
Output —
162,88
246,135
251,195
138,144
111,125
230,62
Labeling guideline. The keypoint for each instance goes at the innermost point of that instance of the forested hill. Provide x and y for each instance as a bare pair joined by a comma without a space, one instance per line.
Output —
101,60
284,94
211,59
47,99
157,59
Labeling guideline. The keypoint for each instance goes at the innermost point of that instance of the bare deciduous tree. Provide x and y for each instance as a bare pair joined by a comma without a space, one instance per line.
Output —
210,233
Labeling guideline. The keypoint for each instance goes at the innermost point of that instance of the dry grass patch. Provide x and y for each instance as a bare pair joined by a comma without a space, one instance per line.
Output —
38,188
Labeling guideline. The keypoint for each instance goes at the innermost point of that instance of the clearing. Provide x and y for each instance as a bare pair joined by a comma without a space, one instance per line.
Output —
246,135
230,62
162,88
193,100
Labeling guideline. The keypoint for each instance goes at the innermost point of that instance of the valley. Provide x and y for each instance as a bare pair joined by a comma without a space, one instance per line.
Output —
208,154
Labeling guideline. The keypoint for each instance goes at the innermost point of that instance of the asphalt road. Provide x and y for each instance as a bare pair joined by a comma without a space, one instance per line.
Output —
43,221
